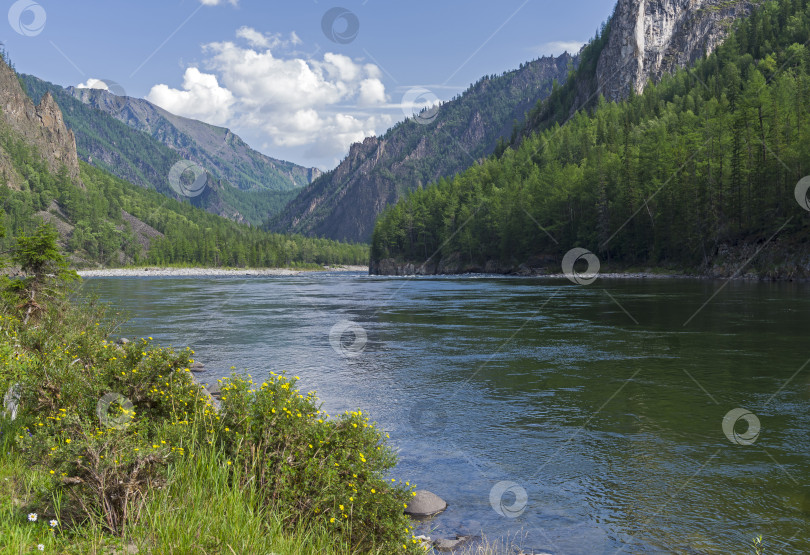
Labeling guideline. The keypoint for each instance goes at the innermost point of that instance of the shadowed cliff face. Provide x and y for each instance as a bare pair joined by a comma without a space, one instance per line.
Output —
344,203
41,126
649,38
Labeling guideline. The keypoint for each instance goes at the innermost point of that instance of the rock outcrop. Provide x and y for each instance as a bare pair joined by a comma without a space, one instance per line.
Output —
649,38
144,233
41,126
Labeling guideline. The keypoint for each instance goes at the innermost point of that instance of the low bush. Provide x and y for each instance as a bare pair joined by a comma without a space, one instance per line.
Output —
330,471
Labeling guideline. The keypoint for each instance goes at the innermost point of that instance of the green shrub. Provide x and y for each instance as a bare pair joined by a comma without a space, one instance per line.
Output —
107,420
328,471
45,270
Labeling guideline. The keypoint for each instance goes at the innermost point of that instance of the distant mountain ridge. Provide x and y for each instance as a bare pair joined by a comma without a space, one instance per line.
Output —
344,203
136,156
225,155
104,220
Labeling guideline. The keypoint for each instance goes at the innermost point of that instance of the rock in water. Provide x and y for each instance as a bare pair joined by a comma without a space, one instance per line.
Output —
197,367
425,503
445,544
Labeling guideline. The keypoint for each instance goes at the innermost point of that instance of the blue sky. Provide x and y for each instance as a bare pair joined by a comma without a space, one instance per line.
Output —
279,74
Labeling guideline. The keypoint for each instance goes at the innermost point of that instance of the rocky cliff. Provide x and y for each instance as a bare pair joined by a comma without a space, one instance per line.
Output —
649,38
642,41
344,203
41,126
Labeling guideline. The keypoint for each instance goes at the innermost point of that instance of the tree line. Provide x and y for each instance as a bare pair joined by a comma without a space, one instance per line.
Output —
709,155
94,230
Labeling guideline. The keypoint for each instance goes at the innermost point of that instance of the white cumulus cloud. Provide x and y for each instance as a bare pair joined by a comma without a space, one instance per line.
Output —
372,92
318,104
257,39
93,84
557,47
201,98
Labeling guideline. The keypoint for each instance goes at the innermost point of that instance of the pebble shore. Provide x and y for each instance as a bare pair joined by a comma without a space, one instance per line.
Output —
207,272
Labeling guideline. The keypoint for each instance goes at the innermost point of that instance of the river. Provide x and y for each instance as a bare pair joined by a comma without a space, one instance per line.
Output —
569,418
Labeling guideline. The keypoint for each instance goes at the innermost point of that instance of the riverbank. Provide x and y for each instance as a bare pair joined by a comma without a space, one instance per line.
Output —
391,267
124,440
774,261
210,272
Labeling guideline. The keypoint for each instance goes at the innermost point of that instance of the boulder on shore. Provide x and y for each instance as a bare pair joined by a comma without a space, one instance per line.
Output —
425,503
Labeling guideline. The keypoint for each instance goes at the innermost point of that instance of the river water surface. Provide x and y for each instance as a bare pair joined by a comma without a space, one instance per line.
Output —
572,419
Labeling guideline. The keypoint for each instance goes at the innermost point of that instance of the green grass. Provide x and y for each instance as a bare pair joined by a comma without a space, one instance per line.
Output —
200,510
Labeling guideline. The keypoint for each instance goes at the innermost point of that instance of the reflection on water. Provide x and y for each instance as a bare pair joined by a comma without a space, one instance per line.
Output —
596,401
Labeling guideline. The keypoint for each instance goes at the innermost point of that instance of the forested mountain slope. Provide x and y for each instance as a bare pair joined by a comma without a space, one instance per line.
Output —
343,203
643,41
103,220
699,171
